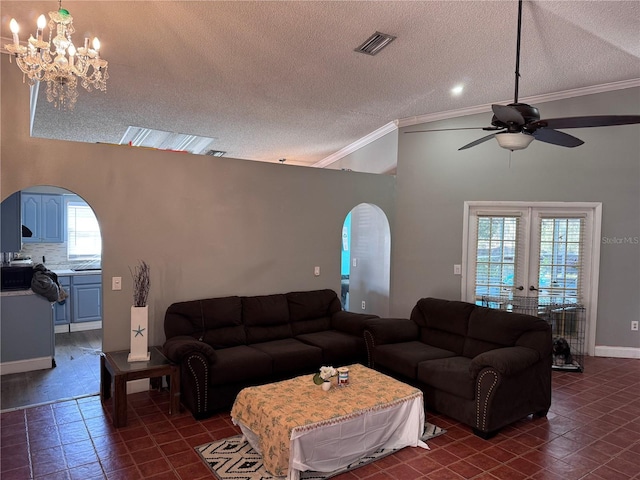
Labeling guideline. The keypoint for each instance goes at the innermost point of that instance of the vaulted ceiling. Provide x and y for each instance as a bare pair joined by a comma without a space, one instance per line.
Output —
280,79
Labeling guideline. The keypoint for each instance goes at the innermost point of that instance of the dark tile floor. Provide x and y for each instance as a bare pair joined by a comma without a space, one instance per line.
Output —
592,432
77,373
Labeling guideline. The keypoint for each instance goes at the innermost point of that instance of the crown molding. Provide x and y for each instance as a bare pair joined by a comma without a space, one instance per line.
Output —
547,97
434,117
357,145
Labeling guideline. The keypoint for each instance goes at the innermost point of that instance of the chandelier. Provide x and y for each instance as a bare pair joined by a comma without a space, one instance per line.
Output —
58,62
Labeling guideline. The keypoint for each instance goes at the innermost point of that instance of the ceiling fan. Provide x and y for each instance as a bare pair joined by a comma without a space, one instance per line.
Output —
518,124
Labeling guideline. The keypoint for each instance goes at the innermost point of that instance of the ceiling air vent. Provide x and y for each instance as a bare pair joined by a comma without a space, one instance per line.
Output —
375,43
215,153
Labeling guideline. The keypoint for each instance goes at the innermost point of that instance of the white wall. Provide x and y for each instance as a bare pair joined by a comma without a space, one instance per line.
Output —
434,179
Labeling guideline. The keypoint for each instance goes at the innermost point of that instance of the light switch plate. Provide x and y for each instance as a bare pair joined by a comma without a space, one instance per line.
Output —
116,283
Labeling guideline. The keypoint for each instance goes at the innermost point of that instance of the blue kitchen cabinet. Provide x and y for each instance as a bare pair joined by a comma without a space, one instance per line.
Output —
11,230
43,214
62,313
86,292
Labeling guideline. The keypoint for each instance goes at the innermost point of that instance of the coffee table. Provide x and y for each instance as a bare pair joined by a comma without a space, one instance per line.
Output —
296,426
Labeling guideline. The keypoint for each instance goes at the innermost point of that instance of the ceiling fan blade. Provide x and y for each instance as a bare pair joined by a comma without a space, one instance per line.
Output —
548,135
478,141
507,114
584,122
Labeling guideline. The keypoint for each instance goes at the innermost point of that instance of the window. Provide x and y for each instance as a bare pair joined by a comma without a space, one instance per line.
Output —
84,241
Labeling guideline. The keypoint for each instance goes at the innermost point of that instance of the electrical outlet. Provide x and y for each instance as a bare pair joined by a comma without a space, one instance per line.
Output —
634,325
457,269
364,305
316,271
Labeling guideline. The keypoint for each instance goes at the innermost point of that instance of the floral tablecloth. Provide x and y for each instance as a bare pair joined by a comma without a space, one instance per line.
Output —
280,412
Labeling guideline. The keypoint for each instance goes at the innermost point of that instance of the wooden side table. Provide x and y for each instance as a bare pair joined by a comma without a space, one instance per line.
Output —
114,366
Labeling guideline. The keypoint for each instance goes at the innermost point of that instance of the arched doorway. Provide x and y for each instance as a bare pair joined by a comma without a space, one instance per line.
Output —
366,260
64,236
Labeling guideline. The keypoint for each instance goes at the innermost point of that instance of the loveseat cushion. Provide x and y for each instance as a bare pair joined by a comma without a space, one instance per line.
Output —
449,375
290,356
404,357
266,318
311,311
490,328
216,321
337,348
240,364
443,323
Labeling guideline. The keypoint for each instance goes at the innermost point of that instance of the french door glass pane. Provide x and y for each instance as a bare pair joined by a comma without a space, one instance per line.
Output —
495,256
560,260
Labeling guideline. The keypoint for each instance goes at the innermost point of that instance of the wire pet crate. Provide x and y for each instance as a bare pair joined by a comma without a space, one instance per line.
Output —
567,320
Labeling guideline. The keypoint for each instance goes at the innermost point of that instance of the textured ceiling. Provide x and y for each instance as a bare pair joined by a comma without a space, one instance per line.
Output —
277,79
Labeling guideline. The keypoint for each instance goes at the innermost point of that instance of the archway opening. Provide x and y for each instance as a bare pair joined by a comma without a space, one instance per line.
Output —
366,260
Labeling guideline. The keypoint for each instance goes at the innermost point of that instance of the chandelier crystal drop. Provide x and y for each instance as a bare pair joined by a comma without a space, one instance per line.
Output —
58,62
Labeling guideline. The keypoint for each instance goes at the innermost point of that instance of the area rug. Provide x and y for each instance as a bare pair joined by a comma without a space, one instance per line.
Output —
233,458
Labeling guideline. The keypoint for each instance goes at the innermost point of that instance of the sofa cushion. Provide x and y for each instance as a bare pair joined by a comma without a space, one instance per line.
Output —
291,356
404,357
337,348
216,321
311,311
490,328
443,323
266,318
450,375
240,364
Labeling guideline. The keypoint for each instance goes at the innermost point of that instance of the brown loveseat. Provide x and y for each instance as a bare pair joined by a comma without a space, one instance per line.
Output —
225,344
483,367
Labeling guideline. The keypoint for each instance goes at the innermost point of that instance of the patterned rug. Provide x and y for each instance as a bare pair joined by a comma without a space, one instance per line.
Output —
233,458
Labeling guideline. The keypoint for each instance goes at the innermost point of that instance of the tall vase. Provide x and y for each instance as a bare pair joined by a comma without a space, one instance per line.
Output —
139,334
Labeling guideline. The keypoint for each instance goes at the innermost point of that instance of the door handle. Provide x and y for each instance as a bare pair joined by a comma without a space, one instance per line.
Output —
532,288
519,288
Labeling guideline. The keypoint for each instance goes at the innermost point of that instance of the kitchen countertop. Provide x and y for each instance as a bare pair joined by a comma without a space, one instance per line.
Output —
17,293
60,273
68,272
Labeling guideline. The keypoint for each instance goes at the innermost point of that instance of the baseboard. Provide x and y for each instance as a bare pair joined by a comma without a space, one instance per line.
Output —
82,326
617,352
137,386
21,366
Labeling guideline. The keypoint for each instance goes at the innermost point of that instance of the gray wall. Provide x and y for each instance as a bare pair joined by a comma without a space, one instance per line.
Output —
206,226
379,156
434,179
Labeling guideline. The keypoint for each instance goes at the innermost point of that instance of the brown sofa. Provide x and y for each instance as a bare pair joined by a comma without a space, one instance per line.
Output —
225,344
483,367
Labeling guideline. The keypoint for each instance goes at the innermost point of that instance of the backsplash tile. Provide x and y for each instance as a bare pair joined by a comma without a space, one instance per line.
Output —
55,255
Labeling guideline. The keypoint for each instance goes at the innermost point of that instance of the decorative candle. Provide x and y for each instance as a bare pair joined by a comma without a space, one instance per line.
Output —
42,22
72,53
15,28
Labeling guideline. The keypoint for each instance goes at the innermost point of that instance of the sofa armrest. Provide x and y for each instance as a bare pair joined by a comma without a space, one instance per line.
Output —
507,361
177,348
391,330
350,322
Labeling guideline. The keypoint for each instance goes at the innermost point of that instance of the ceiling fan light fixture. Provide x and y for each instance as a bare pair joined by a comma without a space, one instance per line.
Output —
514,141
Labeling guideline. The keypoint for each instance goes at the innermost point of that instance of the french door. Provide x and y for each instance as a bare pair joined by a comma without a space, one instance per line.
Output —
533,257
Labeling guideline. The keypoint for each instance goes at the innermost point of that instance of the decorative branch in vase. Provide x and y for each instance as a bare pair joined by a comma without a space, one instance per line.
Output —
140,313
141,284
